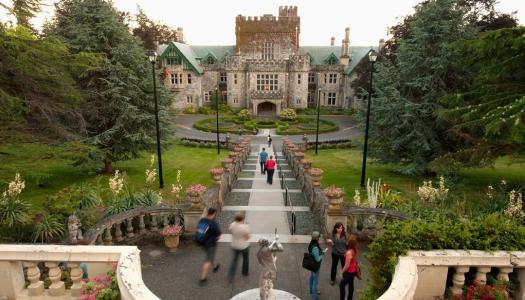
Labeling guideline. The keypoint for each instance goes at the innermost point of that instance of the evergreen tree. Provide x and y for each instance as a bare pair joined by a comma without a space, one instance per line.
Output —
404,129
152,33
120,109
25,10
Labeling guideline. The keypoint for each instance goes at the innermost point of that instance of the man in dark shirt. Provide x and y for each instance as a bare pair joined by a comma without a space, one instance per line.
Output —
210,244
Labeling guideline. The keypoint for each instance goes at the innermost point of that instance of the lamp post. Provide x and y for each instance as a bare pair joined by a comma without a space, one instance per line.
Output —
152,55
217,113
372,56
317,131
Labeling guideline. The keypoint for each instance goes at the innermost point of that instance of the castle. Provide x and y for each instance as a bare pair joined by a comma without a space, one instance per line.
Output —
266,71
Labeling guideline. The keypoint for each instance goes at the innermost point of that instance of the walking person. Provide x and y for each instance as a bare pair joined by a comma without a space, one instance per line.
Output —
239,131
338,243
208,232
270,168
263,156
349,271
315,250
240,245
269,141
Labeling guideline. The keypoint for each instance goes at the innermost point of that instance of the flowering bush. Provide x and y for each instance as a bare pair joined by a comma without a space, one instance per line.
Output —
477,291
333,192
373,192
101,288
176,188
151,173
288,114
171,230
13,210
244,114
195,189
515,207
216,171
426,192
357,198
116,183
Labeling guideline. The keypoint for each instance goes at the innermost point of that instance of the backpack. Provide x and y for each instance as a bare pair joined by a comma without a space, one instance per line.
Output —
202,232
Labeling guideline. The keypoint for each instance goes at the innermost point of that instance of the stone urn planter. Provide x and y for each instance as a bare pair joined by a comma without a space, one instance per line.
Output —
317,176
216,174
227,163
335,198
299,155
307,164
171,236
195,192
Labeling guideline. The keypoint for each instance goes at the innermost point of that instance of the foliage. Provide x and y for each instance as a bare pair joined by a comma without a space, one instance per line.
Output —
25,10
492,232
244,114
49,103
13,210
515,207
190,109
48,228
288,114
120,108
151,33
172,230
101,288
481,291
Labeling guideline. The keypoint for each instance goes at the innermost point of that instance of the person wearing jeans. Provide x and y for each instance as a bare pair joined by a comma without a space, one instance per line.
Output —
349,270
338,243
263,156
240,245
315,250
270,168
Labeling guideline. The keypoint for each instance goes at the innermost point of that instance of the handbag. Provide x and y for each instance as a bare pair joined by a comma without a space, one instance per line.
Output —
309,262
358,271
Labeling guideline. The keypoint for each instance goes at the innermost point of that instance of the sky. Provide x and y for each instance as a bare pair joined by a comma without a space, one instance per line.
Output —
212,22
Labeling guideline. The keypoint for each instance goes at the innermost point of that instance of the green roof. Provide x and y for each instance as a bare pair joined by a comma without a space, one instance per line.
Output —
318,54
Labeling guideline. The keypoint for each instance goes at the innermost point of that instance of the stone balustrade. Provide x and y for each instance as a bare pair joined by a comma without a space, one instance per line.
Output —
21,263
127,226
422,275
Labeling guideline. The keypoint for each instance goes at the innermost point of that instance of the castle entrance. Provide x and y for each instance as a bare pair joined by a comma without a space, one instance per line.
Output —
266,109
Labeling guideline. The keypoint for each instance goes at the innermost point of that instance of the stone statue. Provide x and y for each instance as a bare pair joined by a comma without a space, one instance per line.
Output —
266,257
74,228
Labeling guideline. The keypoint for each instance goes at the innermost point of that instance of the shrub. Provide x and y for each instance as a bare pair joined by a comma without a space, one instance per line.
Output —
244,114
189,109
206,110
489,233
288,114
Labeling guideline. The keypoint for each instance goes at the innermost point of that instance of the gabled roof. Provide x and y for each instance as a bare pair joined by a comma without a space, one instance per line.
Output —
356,54
318,54
186,52
220,52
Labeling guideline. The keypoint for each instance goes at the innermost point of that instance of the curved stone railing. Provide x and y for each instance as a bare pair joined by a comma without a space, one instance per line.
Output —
423,274
24,262
364,221
128,225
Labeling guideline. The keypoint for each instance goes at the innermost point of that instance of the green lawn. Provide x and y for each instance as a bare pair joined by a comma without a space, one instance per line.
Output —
342,167
46,171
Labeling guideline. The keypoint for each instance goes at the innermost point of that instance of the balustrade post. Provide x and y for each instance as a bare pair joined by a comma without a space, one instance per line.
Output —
153,223
142,225
129,228
36,286
503,273
481,274
107,236
76,277
165,221
458,280
57,287
118,233
99,240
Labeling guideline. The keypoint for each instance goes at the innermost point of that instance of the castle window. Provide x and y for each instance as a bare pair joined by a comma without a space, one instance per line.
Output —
235,100
210,60
223,77
206,97
172,78
189,78
173,60
331,99
189,99
298,101
176,78
311,77
234,78
332,78
298,78
310,98
325,78
267,52
267,82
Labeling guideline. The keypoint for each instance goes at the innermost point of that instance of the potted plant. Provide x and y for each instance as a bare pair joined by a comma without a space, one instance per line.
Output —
307,164
227,163
317,176
335,197
195,192
171,236
216,174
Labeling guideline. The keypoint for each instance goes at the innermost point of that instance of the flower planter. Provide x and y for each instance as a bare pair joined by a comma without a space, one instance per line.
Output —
317,176
335,198
299,155
233,154
171,242
306,164
216,175
227,163
196,201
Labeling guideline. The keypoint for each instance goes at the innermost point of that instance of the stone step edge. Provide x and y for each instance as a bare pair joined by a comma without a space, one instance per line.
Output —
261,178
268,208
283,238
277,190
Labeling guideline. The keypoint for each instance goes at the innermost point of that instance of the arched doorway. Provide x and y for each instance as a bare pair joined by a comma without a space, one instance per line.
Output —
266,109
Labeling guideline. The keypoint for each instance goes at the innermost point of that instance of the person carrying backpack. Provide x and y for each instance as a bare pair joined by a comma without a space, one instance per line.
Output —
269,141
263,156
207,235
315,250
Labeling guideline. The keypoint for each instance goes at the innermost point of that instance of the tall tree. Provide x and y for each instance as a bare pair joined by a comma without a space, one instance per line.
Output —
38,82
404,129
120,110
152,33
25,10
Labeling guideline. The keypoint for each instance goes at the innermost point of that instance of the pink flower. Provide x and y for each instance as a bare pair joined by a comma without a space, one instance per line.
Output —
91,297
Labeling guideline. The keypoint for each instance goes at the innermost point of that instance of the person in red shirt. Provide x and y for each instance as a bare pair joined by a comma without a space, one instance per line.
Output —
270,168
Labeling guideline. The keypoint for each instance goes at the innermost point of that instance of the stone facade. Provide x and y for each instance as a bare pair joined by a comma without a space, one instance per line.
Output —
266,71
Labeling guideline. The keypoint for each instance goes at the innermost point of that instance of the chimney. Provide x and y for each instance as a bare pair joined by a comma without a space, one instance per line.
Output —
345,48
180,35
332,41
381,44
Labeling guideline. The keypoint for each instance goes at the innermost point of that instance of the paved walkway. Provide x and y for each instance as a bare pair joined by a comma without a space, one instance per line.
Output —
175,275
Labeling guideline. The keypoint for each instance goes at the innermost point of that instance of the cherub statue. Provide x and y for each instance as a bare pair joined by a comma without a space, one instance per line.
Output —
267,258
74,228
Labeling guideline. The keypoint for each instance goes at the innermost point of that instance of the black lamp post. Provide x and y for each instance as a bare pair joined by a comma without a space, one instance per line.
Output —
372,56
152,55
317,131
217,111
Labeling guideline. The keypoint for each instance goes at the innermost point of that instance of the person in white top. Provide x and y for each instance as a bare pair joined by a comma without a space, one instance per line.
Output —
240,245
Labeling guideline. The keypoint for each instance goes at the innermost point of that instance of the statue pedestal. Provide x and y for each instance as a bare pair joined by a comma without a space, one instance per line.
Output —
253,294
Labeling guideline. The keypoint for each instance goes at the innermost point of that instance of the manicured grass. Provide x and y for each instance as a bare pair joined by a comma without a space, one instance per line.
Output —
342,167
46,171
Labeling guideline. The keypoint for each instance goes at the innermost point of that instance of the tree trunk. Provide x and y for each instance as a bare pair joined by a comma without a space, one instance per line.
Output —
108,166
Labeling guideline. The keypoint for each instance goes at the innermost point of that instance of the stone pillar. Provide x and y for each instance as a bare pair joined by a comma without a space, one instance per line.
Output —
57,287
12,279
36,286
520,294
76,278
481,274
458,280
191,219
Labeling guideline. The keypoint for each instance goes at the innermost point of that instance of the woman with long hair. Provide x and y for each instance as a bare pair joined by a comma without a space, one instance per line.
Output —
348,273
338,243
